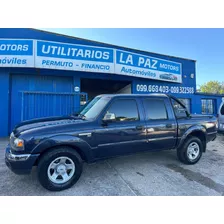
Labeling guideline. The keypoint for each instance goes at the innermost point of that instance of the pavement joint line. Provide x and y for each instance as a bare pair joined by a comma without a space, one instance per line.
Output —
205,179
129,187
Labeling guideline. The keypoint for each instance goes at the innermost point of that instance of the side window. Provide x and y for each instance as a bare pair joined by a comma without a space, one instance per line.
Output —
155,109
179,110
124,110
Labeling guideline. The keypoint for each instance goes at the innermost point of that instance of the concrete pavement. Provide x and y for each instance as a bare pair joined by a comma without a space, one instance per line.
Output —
151,173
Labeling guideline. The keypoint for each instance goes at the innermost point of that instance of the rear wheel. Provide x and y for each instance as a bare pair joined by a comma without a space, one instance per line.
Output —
59,169
191,151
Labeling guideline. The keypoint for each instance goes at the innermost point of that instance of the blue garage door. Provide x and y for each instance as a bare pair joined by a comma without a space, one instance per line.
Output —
40,96
45,104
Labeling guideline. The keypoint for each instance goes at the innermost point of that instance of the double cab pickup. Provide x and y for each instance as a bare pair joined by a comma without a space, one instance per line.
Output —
108,126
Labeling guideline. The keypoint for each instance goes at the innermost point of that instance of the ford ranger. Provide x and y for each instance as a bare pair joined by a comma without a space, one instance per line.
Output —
108,126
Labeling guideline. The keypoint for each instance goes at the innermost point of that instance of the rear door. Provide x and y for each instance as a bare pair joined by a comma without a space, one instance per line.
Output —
161,125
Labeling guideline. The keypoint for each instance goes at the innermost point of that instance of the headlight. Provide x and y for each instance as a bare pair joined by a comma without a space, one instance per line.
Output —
18,144
11,135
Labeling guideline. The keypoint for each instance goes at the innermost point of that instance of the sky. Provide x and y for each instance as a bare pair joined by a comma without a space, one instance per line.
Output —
206,46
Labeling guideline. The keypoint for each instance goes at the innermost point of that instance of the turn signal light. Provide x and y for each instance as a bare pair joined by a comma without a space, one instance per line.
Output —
19,143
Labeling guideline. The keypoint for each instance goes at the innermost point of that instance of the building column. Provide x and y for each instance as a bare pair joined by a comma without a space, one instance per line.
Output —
77,90
4,108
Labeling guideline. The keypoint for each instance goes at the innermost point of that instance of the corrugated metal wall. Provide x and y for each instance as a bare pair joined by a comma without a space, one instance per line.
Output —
47,96
44,104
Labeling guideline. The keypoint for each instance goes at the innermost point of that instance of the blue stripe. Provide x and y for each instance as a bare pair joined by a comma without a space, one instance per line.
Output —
72,51
16,47
147,62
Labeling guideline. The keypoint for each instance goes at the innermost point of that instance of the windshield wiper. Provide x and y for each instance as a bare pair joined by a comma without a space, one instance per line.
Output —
75,116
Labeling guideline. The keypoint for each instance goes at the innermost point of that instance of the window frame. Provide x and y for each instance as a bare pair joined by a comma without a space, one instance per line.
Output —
206,106
222,109
157,99
119,99
178,101
189,99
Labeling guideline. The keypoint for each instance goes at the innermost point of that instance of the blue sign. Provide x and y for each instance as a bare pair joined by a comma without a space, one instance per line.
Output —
16,53
144,66
65,56
16,47
74,57
77,52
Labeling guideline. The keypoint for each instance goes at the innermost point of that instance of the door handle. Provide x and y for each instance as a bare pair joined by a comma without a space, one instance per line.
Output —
169,125
139,127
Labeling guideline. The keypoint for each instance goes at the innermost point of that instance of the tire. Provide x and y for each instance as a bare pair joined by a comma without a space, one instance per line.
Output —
64,160
184,152
179,155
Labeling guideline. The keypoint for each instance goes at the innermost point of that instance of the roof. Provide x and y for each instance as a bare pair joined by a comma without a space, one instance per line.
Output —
112,45
209,94
135,95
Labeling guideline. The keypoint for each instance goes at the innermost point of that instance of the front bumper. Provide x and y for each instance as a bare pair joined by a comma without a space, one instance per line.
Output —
20,163
221,131
211,136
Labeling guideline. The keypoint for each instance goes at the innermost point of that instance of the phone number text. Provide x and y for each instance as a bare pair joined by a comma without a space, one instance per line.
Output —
164,89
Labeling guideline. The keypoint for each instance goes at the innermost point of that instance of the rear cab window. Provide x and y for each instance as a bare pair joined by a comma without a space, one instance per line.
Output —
155,109
179,110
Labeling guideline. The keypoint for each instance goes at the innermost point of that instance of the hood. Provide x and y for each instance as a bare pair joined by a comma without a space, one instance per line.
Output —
45,122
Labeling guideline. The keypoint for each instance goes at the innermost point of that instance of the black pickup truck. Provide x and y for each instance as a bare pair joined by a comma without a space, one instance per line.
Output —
108,126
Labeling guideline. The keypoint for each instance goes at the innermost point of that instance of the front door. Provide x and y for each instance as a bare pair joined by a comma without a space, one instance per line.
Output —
126,134
160,124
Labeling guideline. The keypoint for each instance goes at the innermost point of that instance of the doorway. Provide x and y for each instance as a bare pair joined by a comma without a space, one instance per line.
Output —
94,87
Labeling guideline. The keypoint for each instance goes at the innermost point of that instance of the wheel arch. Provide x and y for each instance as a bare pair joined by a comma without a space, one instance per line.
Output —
77,149
77,144
201,135
195,131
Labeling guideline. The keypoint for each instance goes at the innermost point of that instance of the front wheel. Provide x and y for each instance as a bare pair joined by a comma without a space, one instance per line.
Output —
59,169
191,151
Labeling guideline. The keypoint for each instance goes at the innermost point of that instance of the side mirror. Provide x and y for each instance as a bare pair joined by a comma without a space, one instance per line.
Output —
109,117
181,110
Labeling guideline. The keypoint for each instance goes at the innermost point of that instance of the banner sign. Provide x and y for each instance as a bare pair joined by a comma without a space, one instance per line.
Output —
74,57
55,55
143,66
16,53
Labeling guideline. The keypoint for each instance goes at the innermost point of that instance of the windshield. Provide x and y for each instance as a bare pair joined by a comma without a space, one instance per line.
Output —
94,107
